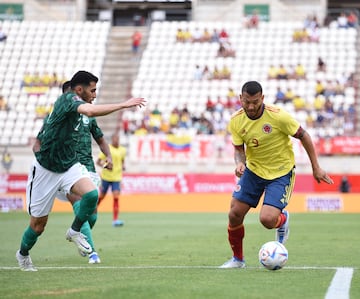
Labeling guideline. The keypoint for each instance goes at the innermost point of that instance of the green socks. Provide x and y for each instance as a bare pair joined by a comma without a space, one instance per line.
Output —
86,227
87,207
28,240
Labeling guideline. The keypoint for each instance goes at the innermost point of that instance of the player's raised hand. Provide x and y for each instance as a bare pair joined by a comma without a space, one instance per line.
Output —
134,102
321,175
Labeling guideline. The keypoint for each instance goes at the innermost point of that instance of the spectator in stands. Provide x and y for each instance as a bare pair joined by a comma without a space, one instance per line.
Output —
282,73
225,50
198,73
210,105
279,96
187,35
215,37
232,98
321,65
345,186
27,80
252,21
223,36
196,35
216,74
206,73
204,126
311,22
329,89
206,36
219,106
319,103
3,104
299,103
319,88
314,34
3,36
136,41
180,35
55,80
352,20
174,118
300,72
272,72
46,79
289,95
225,73
342,21
301,35
329,109
339,88
6,160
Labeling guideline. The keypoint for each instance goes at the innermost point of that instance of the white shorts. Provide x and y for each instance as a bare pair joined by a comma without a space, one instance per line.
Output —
42,186
61,194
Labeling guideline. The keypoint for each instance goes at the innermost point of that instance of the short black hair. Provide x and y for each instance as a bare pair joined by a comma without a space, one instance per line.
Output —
83,78
252,88
66,86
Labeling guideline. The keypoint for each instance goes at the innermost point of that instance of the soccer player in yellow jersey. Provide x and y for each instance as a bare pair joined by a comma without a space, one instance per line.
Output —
265,164
112,177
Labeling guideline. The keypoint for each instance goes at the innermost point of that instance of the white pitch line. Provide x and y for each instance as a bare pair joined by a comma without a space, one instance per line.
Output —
167,267
340,284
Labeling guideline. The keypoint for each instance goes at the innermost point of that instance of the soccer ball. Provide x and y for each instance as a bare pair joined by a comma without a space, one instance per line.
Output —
273,255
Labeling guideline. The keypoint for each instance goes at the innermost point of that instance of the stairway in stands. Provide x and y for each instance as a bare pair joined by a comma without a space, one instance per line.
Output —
120,68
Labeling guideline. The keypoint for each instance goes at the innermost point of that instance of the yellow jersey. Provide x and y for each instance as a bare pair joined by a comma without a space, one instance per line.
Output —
269,151
118,156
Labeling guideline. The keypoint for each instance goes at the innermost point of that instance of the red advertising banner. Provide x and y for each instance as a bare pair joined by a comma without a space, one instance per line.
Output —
12,183
338,146
188,183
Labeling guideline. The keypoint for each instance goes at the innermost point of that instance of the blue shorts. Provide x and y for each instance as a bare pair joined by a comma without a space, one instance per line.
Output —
115,186
277,192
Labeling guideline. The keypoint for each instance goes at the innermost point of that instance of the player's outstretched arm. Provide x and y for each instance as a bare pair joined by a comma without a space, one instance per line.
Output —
105,109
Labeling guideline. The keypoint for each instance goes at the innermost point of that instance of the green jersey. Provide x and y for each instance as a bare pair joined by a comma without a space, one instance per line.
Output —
83,147
59,135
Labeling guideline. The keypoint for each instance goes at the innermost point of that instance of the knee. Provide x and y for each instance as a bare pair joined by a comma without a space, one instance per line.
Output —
38,228
235,218
91,197
268,220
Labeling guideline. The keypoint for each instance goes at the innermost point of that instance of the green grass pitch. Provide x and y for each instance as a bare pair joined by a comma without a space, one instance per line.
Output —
176,255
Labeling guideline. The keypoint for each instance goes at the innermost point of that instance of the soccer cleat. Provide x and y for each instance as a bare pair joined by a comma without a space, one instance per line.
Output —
83,254
233,263
94,258
79,239
118,222
282,233
25,262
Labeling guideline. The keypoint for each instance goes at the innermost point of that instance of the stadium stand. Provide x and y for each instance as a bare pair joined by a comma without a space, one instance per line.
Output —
166,73
42,48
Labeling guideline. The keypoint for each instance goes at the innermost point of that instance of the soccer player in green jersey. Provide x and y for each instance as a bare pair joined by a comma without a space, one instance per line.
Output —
265,164
88,128
56,166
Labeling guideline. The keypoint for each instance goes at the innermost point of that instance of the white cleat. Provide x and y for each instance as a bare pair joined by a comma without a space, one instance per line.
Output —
25,262
80,241
94,258
233,263
282,233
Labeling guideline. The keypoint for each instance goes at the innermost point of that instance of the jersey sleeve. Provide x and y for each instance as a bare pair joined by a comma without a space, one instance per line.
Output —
95,130
234,131
288,124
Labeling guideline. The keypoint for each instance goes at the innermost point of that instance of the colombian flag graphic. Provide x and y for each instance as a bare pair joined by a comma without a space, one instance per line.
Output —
178,143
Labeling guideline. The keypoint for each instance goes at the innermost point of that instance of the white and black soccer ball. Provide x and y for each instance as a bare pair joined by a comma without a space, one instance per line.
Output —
273,255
